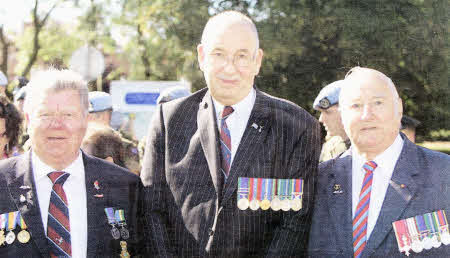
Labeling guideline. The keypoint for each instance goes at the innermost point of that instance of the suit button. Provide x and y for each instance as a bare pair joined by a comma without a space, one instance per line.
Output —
210,232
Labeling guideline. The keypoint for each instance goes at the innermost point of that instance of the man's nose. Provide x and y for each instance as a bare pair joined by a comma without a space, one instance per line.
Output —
367,112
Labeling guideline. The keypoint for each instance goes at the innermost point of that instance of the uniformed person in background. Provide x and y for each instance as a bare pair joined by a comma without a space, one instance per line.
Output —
409,125
327,102
100,110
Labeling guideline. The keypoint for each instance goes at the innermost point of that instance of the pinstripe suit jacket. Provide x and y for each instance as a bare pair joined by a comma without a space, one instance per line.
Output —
190,211
425,176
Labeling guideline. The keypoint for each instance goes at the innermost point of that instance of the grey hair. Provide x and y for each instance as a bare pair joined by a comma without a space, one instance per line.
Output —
228,17
54,80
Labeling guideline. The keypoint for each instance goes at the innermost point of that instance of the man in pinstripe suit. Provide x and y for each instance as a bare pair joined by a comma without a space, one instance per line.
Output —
194,156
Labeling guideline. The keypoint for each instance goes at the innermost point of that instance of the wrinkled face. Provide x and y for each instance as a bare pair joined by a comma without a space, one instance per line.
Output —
3,138
230,61
331,120
57,125
370,114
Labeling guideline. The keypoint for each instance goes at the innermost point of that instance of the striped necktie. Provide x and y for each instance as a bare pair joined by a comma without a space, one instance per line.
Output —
58,226
362,211
225,141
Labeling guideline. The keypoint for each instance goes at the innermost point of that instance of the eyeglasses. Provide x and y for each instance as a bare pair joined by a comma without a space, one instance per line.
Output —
240,59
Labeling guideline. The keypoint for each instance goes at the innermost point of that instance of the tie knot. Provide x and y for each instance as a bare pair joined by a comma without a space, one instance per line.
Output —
227,110
370,166
58,177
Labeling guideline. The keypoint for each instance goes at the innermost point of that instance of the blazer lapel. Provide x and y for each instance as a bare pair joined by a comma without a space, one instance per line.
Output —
96,202
402,188
340,201
256,132
21,185
209,138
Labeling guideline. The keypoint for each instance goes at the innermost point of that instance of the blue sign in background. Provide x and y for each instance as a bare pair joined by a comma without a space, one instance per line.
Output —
141,98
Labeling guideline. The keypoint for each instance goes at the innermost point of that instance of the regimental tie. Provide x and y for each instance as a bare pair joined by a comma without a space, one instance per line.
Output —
58,226
225,141
362,211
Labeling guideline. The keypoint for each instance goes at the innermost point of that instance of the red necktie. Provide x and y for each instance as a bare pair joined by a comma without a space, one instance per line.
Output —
58,226
225,141
362,211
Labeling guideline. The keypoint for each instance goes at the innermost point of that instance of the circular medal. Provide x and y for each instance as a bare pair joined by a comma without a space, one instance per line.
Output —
435,242
265,204
275,204
285,205
2,238
416,246
296,204
427,243
243,204
115,233
254,204
10,237
23,236
445,238
124,233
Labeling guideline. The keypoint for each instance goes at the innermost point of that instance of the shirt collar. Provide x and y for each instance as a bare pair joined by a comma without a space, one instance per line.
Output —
388,158
40,169
243,106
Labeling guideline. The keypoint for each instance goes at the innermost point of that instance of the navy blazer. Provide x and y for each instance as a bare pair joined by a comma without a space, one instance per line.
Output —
420,184
192,213
118,188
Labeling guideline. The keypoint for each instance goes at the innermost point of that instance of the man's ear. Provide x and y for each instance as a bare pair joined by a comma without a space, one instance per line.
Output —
259,57
201,55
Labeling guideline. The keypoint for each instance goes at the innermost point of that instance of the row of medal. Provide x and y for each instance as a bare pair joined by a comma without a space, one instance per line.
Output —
9,222
426,231
265,193
116,218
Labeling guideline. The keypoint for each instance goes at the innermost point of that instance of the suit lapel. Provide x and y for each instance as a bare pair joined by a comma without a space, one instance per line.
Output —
96,202
209,138
340,201
21,185
255,133
402,187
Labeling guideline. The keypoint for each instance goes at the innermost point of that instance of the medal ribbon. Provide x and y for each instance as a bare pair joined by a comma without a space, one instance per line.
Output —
120,216
259,189
436,223
400,231
412,227
274,188
442,218
250,189
281,188
290,192
3,221
264,186
421,226
269,189
110,214
12,220
429,222
243,187
255,188
22,222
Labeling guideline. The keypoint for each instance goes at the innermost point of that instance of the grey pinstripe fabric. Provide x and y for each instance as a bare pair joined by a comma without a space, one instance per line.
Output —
189,210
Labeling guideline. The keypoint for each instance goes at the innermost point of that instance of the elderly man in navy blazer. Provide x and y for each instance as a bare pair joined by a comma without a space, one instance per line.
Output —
385,196
56,201
230,170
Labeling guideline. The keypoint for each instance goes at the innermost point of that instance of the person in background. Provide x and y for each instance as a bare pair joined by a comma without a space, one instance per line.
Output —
171,94
3,84
385,196
19,98
10,128
208,154
409,126
105,143
100,111
66,197
327,102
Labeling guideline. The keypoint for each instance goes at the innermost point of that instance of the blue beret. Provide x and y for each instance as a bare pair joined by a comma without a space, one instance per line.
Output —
171,94
328,96
99,101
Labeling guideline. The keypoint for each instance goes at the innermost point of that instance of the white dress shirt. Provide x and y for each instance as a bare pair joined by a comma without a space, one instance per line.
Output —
236,121
75,189
386,162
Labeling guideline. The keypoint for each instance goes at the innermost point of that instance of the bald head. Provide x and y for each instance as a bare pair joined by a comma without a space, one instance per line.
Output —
224,20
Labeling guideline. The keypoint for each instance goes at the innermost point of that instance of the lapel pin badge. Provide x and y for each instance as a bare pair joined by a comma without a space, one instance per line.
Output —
25,187
254,125
337,189
22,198
96,185
98,195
